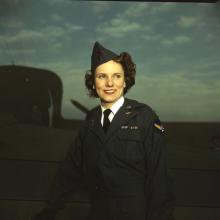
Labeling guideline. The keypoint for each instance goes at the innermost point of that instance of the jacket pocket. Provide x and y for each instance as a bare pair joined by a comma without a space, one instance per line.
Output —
129,146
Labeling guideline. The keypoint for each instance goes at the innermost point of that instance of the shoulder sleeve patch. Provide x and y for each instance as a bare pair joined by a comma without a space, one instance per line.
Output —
158,125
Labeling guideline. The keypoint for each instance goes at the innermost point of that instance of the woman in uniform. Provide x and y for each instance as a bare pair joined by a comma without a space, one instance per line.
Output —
119,153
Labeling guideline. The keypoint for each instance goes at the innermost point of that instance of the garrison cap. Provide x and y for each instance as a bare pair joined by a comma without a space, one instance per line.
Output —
100,55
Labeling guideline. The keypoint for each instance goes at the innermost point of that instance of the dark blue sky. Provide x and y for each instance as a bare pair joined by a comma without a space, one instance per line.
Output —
174,45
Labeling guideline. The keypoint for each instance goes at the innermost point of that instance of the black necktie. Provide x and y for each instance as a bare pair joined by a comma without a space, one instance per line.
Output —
106,121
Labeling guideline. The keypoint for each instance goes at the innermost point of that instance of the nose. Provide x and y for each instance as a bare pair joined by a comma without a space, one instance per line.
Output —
109,81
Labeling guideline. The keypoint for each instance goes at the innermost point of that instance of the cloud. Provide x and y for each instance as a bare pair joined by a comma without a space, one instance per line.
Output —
167,60
10,23
206,70
211,36
188,22
49,33
167,42
177,40
121,26
24,36
176,97
14,52
162,7
144,9
151,37
136,10
60,2
100,7
37,44
72,27
202,16
207,63
181,39
137,18
123,23
118,28
56,17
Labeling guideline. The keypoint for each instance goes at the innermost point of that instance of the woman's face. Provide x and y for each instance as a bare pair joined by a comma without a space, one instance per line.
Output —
109,82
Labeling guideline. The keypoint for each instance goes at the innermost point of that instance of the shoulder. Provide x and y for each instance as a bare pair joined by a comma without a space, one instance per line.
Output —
146,115
140,108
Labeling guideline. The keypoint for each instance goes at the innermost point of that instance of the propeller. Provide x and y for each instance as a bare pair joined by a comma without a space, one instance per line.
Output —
79,106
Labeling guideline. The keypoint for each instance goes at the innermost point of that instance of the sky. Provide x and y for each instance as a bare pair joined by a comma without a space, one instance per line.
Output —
175,47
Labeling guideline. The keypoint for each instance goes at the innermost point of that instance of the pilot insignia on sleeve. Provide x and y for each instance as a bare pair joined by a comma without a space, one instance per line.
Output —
158,125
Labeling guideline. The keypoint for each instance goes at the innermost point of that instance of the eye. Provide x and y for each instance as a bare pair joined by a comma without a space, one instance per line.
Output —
101,76
118,75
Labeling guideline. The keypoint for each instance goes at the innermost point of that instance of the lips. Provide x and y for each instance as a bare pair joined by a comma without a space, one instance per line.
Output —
110,91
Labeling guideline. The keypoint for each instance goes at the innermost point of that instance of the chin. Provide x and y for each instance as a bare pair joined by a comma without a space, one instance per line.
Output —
108,100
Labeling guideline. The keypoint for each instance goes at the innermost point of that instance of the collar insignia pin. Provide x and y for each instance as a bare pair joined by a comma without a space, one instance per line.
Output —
124,127
127,113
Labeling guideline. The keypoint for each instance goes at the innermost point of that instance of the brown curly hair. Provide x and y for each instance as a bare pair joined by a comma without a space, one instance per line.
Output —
129,68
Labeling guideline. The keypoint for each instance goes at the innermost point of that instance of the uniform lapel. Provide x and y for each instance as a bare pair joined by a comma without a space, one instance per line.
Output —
95,124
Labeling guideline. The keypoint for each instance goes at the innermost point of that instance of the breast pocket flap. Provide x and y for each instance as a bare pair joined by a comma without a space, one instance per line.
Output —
129,135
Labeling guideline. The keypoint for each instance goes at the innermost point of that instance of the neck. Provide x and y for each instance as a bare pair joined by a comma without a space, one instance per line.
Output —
107,105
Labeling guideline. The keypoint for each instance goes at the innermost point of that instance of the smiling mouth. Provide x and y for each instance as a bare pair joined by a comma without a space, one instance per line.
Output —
110,91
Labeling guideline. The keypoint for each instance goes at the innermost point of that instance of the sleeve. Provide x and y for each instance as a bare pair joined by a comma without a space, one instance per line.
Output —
159,184
69,175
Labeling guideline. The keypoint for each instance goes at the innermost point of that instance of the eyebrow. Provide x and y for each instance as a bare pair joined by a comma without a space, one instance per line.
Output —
107,73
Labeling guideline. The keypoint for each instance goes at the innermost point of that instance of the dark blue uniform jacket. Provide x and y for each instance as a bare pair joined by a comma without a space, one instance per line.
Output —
124,171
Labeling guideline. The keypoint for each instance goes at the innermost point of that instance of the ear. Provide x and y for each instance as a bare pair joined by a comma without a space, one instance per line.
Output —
124,84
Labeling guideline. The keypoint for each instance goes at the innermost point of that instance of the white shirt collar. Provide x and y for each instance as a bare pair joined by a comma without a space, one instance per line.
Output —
115,107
